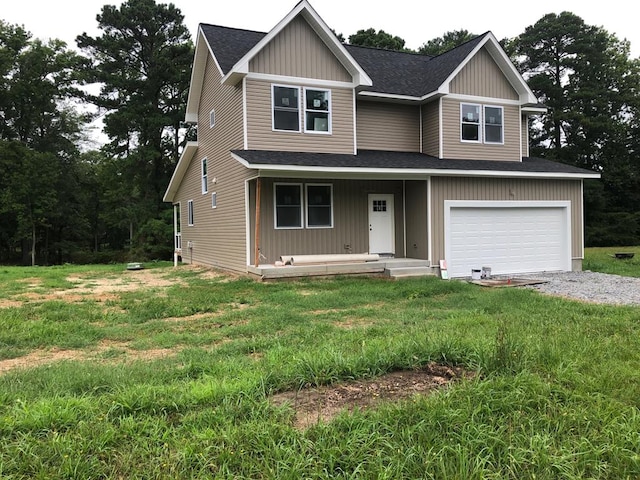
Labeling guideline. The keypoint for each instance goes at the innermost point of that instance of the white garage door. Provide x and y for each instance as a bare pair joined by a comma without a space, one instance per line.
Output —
509,237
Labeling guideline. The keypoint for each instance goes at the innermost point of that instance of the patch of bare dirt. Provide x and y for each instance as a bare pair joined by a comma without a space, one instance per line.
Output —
322,404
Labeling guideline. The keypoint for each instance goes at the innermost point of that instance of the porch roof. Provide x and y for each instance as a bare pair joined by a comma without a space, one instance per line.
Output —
402,163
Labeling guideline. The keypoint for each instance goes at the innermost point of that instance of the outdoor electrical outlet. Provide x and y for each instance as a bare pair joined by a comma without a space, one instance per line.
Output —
347,246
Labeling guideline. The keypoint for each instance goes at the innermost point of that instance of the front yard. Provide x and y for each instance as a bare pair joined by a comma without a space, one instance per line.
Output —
189,373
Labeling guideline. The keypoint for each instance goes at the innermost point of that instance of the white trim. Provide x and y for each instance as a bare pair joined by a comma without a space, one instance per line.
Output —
534,110
328,111
404,217
461,122
440,130
521,139
564,204
401,98
483,100
306,205
273,107
581,220
200,56
429,226
484,126
190,214
421,131
204,177
275,206
355,124
214,200
180,171
245,118
311,82
409,173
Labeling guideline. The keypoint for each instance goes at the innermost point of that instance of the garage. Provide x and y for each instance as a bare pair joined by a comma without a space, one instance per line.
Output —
509,237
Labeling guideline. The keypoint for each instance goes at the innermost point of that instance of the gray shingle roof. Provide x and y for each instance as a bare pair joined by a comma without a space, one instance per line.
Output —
392,72
402,160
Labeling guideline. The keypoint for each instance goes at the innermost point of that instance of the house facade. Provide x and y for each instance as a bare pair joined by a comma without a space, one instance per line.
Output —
307,146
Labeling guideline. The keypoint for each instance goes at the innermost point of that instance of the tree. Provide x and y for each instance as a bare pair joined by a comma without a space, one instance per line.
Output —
142,61
446,42
377,39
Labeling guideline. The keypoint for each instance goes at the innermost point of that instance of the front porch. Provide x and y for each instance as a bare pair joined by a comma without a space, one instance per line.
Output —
387,267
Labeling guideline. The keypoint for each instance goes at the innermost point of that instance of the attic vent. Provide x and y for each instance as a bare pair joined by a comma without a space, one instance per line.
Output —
212,118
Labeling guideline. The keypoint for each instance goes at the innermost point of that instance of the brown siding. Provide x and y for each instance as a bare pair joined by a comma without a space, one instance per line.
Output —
350,216
416,208
297,51
260,134
482,77
449,188
431,128
218,235
454,148
388,126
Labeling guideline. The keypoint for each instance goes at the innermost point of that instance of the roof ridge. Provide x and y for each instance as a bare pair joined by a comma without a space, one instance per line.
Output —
476,38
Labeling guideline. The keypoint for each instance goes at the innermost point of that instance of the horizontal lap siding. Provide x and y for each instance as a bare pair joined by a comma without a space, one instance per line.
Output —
297,51
482,77
386,126
450,188
350,214
456,149
218,235
260,134
431,128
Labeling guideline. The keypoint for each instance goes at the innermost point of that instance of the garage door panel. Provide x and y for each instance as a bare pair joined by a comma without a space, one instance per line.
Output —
507,239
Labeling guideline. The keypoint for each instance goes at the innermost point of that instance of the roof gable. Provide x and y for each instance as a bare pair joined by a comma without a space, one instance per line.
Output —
482,77
304,9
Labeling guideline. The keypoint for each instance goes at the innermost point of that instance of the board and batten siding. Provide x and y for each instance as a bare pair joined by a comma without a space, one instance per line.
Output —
431,128
482,77
261,136
455,148
297,51
504,189
350,220
416,218
218,235
388,126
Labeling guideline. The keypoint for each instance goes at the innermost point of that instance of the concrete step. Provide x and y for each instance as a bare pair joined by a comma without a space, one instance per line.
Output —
405,262
406,272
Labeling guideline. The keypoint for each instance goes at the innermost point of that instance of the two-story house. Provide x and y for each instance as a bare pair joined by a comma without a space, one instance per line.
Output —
310,146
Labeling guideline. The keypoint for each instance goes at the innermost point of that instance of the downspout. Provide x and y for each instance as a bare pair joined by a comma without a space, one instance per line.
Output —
257,234
175,235
404,215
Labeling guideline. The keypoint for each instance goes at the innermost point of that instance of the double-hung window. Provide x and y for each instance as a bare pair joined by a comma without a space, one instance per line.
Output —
288,205
493,125
319,206
481,123
205,187
317,110
286,108
470,122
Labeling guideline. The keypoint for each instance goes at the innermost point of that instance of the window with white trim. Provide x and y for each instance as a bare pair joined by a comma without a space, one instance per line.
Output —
212,118
319,199
214,200
286,108
317,110
288,205
470,122
205,186
493,124
481,123
190,213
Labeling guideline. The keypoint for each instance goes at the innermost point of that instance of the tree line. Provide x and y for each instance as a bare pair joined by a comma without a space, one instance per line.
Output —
62,200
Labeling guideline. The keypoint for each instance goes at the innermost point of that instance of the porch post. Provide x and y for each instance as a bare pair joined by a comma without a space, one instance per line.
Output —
175,235
257,233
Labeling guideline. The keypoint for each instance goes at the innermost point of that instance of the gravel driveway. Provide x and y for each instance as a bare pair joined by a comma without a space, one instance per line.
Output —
591,287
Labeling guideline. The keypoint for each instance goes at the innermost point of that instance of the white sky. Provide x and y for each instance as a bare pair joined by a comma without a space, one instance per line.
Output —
417,21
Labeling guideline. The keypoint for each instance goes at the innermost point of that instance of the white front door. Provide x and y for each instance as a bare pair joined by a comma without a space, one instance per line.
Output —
381,224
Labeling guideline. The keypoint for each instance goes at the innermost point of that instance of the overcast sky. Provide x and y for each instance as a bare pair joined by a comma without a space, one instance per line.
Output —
417,21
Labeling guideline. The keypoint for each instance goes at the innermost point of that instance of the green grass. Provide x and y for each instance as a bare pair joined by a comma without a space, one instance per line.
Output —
602,260
556,394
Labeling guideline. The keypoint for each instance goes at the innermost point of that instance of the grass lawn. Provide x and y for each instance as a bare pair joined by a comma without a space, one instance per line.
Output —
168,374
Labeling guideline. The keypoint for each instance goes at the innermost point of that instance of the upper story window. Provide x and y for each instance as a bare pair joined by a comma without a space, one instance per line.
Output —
493,125
481,123
470,122
317,110
205,187
286,108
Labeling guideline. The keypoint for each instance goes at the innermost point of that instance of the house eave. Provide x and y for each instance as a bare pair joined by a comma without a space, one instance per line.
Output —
180,171
268,170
